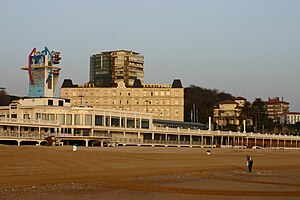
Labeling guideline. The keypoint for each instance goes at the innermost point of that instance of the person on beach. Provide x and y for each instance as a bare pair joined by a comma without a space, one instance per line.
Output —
249,163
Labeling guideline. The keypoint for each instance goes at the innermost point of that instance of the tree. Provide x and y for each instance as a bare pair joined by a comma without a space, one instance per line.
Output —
259,115
199,103
4,98
245,113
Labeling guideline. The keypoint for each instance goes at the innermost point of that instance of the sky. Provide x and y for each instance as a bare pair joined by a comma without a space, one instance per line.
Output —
248,48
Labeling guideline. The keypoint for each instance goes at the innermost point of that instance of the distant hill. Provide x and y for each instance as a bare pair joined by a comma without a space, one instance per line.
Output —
199,103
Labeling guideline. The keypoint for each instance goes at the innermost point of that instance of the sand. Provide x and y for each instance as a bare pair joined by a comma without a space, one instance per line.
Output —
37,172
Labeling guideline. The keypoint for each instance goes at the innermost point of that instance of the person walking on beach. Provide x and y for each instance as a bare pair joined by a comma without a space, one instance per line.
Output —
249,163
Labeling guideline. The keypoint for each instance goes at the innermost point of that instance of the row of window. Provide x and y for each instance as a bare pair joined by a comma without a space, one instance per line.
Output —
125,102
99,120
121,93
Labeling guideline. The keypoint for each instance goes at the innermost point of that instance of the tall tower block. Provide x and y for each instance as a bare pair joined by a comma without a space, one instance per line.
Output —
43,74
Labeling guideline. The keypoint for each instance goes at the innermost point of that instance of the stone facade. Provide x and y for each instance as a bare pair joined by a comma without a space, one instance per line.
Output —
164,101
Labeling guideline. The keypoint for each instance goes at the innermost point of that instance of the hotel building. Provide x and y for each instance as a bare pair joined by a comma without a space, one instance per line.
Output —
166,101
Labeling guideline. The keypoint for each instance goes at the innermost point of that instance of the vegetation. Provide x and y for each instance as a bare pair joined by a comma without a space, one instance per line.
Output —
199,103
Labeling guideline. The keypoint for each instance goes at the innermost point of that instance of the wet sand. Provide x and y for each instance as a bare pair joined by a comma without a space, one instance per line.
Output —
37,172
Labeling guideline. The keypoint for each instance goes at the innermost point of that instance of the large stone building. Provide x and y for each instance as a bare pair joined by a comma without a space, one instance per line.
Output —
165,101
276,108
111,67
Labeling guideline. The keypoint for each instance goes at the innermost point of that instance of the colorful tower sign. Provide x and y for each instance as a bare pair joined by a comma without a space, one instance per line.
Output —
43,75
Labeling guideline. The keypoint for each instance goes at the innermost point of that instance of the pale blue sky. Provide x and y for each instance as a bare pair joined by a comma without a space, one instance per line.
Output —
247,48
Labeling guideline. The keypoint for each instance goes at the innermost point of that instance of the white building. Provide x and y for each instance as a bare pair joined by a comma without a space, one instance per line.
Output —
292,117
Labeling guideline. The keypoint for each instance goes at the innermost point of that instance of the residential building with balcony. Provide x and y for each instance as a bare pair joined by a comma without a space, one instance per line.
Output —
275,108
228,112
109,68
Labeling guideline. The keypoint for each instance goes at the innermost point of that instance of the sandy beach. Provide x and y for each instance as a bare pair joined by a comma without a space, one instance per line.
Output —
35,172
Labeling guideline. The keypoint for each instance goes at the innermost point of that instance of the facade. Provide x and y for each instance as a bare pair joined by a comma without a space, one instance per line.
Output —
228,112
35,121
292,117
276,108
111,67
166,102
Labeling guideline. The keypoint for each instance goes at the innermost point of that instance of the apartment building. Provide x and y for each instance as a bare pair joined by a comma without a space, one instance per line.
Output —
276,108
165,101
111,67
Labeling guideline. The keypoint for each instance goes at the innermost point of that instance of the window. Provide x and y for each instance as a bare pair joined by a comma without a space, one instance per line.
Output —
115,121
37,116
61,119
162,93
167,112
145,123
51,117
50,102
26,116
88,119
99,120
69,119
44,116
130,122
176,93
168,93
176,102
162,112
60,103
78,119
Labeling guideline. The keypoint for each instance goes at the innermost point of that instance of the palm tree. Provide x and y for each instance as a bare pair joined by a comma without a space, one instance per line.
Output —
245,113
